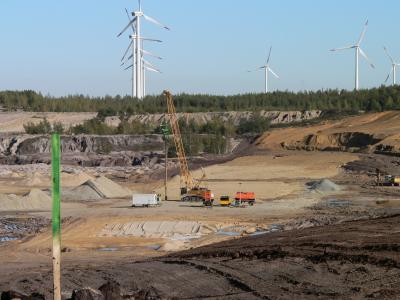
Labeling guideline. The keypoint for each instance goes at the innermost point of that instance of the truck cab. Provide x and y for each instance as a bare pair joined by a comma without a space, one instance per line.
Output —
225,201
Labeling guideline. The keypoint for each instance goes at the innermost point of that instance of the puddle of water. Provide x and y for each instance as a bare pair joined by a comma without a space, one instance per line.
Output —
110,249
338,203
259,233
179,237
4,239
229,233
154,247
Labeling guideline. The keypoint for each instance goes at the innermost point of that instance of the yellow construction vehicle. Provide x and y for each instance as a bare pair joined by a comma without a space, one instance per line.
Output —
191,190
391,180
225,201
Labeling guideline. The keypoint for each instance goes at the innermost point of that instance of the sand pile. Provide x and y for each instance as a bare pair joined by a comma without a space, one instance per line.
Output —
108,188
178,230
37,179
96,189
34,200
325,186
74,180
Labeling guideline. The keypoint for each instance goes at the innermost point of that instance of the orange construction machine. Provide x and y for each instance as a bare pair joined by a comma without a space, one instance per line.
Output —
191,189
245,197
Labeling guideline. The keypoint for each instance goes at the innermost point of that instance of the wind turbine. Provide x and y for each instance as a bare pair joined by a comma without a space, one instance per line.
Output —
137,44
267,70
394,67
358,52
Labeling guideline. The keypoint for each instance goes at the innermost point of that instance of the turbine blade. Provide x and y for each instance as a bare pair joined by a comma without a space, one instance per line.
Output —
390,57
272,72
152,69
128,67
127,26
148,63
154,21
342,48
127,50
151,54
269,55
145,39
366,57
130,20
390,74
250,71
362,34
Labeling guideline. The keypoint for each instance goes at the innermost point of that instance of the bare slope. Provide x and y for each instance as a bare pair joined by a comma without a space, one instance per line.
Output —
378,132
14,121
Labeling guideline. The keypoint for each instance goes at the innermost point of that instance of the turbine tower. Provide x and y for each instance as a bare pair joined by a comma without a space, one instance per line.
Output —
394,67
358,51
267,69
138,76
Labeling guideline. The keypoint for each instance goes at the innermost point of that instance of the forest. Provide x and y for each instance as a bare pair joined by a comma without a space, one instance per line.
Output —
376,99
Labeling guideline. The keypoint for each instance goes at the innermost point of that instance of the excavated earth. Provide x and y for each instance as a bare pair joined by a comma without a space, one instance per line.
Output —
354,260
368,133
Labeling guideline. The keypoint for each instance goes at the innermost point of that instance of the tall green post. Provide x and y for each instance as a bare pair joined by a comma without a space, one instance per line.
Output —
56,222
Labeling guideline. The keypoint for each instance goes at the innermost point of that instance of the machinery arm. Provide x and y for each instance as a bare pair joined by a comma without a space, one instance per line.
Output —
186,176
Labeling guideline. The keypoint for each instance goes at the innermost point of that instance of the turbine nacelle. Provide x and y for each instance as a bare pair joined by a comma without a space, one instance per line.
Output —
137,14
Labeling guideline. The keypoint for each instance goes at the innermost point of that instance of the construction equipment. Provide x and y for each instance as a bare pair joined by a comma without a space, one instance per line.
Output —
391,180
225,201
245,197
191,190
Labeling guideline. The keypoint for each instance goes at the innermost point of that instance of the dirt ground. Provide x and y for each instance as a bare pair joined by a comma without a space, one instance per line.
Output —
14,121
368,132
267,251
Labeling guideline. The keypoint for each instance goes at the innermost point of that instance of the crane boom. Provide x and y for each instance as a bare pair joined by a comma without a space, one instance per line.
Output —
186,176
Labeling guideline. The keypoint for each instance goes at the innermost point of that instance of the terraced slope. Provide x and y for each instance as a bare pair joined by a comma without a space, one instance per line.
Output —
378,132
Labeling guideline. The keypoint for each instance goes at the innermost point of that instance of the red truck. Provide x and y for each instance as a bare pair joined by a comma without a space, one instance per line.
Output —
245,197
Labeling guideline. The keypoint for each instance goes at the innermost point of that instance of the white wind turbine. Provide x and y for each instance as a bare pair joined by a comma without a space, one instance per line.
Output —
267,70
358,52
394,67
137,45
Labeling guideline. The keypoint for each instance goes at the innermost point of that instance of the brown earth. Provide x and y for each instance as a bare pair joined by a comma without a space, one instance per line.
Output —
373,133
14,121
343,261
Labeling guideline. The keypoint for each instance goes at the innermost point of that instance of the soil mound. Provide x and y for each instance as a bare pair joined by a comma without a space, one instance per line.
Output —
108,188
35,200
96,189
324,186
155,229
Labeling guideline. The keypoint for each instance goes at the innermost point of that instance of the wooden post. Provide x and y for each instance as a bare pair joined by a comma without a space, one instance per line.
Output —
56,221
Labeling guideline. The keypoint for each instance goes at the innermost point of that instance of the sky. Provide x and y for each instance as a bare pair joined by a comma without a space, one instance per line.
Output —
71,46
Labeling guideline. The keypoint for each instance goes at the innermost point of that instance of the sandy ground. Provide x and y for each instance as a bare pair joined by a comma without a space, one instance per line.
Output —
278,181
14,121
108,239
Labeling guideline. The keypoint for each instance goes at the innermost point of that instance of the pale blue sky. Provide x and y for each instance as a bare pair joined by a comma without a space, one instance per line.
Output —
70,46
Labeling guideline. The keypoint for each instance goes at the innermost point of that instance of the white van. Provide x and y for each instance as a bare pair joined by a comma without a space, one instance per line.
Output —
145,200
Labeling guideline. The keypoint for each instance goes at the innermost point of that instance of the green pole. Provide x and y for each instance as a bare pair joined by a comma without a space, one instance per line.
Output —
56,222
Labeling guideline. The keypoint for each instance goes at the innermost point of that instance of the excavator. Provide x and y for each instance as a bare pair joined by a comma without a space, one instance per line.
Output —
191,189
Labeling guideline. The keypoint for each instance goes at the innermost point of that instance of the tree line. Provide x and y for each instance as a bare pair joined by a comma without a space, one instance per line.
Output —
375,99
